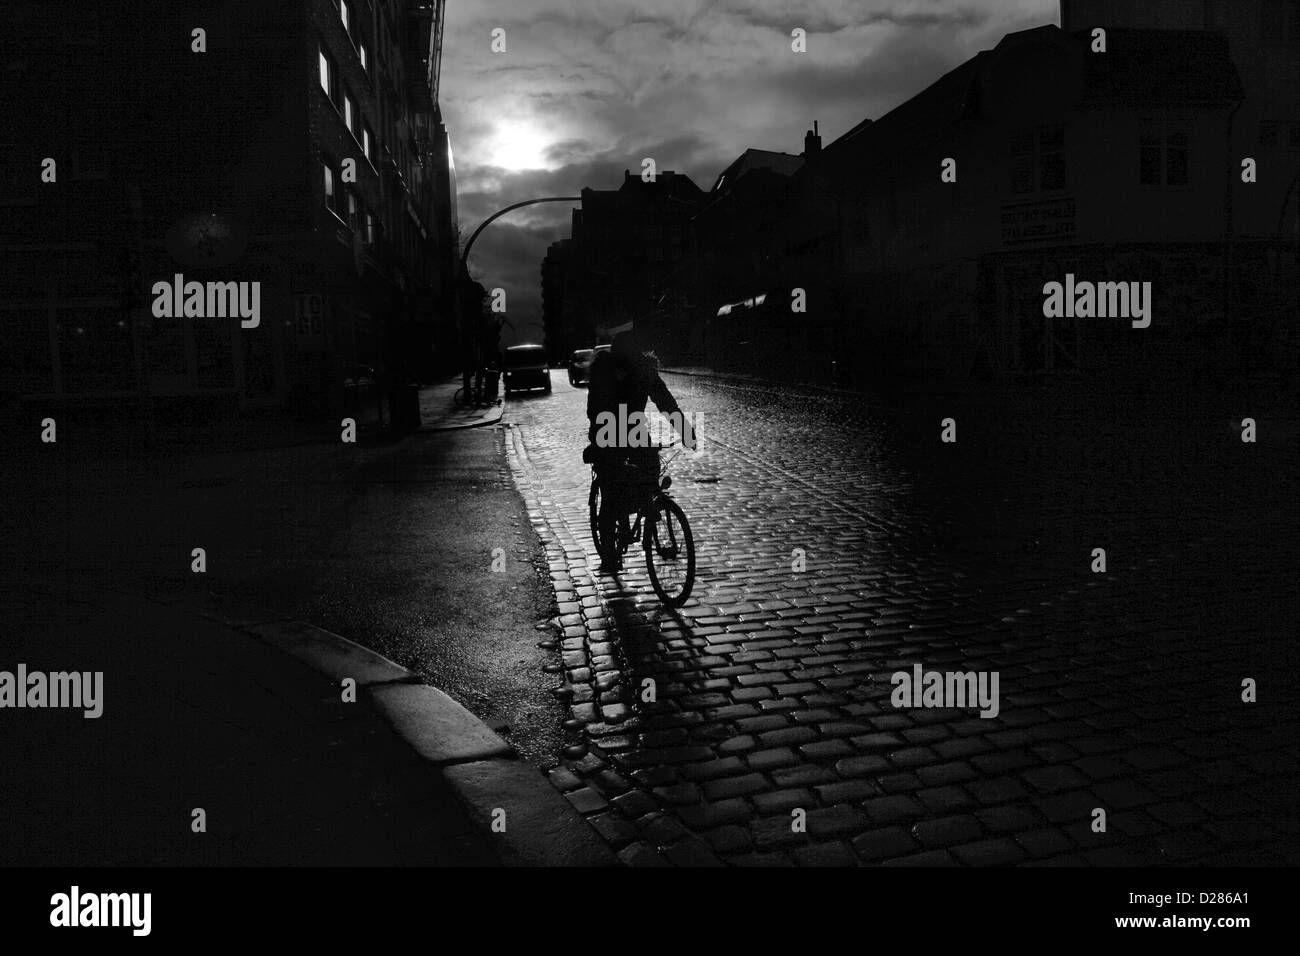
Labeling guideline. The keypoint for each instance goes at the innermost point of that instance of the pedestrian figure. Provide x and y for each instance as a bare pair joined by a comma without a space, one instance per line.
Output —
489,348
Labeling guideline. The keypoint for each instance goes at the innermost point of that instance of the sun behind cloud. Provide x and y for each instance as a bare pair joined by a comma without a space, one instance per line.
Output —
518,145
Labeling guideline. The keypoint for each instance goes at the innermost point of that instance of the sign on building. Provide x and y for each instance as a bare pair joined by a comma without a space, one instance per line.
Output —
1049,221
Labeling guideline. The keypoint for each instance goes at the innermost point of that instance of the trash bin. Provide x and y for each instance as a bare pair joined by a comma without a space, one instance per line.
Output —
362,401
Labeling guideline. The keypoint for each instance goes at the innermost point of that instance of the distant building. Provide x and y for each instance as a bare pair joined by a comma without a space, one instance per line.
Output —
625,263
563,331
736,242
1122,166
1263,38
231,164
1113,166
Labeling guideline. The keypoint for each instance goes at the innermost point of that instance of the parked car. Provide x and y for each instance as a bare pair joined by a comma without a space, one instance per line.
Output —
525,367
580,366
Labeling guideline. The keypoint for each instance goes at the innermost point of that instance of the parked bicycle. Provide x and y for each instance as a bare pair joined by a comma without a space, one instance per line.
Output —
660,525
480,396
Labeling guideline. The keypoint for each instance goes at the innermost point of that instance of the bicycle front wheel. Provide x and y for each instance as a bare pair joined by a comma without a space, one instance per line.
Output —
670,552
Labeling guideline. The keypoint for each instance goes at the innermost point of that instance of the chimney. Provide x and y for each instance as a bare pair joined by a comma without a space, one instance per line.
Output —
812,142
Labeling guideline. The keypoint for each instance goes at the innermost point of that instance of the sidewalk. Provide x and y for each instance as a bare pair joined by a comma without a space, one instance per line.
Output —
439,411
243,715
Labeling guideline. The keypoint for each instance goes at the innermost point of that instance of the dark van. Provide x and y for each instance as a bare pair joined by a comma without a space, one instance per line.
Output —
525,367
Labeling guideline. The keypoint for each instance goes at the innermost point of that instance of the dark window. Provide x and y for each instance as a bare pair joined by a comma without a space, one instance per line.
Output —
25,361
95,350
333,199
1022,161
1164,155
1038,159
1281,22
1268,133
1150,159
1051,157
1176,158
1274,20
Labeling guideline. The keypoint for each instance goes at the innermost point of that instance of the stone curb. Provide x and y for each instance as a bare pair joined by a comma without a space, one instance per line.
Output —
482,769
456,428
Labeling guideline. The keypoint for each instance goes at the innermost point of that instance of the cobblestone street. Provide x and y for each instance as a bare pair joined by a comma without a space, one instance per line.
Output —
1119,690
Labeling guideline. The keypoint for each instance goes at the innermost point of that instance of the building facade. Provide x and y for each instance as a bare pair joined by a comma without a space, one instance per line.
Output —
296,145
922,241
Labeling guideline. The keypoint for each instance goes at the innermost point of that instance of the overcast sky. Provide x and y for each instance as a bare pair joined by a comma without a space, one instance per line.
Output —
587,88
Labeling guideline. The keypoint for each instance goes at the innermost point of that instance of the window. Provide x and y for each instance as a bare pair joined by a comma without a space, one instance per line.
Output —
349,113
331,189
1164,155
367,143
1038,159
326,75
1281,22
1268,133
1051,157
369,235
345,15
354,221
1176,159
365,62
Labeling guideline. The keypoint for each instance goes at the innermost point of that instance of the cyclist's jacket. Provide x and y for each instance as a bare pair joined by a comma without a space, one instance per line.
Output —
612,385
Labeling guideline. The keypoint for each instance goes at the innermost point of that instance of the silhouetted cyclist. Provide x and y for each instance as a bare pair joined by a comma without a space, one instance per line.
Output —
622,381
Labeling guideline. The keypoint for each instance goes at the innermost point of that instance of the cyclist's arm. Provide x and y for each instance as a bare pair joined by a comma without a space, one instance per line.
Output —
660,395
665,402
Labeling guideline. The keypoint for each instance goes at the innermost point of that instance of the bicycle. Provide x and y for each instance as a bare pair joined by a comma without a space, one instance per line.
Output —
660,524
476,396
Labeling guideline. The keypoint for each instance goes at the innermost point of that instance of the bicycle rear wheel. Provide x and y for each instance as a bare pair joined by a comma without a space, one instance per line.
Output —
669,552
593,507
